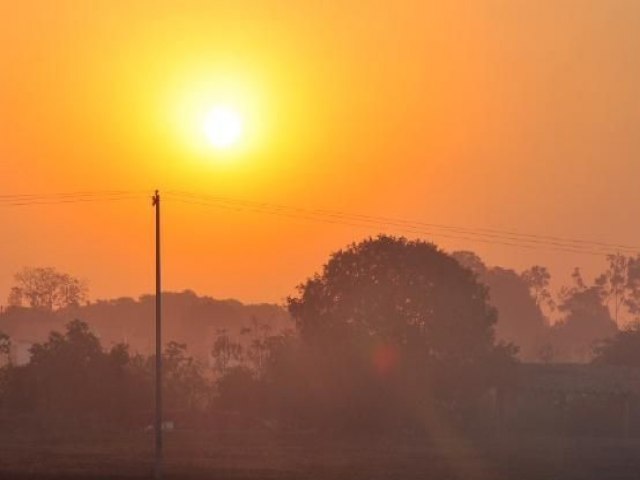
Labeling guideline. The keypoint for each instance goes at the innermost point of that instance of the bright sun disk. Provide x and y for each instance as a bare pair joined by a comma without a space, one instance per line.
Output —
223,127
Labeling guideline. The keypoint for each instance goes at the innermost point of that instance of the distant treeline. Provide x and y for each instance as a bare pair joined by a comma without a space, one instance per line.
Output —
392,334
546,326
563,326
188,318
389,333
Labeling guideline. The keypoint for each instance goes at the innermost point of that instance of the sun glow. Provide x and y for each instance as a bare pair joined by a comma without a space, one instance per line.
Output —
216,117
223,127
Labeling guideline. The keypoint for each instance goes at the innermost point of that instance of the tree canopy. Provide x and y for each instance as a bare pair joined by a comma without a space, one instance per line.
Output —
402,291
46,288
400,311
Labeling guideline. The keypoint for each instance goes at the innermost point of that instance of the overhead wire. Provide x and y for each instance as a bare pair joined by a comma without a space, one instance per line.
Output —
23,200
507,238
469,234
363,225
71,194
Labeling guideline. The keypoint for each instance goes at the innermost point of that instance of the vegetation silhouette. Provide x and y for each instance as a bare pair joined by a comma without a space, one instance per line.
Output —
546,326
391,339
46,288
392,330
521,321
623,349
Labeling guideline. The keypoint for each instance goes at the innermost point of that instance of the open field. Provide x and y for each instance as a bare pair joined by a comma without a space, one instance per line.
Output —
260,456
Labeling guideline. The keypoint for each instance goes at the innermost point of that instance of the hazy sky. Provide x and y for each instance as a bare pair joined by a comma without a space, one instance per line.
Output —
511,115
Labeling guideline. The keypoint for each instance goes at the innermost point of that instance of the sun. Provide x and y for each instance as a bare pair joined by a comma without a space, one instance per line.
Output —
223,126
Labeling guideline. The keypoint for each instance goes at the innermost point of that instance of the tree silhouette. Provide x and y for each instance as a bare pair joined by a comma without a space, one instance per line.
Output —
185,384
390,310
537,278
622,349
619,285
403,291
586,321
225,351
521,320
47,289
257,349
72,379
70,376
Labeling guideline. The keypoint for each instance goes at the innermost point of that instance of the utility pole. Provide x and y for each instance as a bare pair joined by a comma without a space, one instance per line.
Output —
158,416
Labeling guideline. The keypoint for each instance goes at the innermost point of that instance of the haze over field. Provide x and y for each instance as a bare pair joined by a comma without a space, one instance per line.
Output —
510,115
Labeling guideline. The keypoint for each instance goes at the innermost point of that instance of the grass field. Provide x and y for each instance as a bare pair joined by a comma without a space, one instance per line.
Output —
260,455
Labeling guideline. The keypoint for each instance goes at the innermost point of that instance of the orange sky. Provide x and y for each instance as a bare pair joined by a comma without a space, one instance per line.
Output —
515,115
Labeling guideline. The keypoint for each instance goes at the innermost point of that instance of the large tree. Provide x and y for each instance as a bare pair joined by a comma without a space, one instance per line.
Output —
398,290
46,288
399,311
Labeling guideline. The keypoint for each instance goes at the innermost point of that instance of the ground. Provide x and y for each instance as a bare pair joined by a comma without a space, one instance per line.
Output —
265,456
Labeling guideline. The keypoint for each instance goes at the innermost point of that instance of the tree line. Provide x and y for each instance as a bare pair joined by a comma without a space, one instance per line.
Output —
390,334
568,325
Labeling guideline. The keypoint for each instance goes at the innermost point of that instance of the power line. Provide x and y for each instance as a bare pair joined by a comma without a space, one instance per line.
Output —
21,200
366,225
71,194
405,229
512,239
469,234
403,222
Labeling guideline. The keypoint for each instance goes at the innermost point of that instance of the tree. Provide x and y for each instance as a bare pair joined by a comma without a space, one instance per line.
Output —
623,349
471,261
392,311
239,390
225,351
73,381
400,290
70,376
184,381
521,320
586,321
537,279
46,289
257,349
619,285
